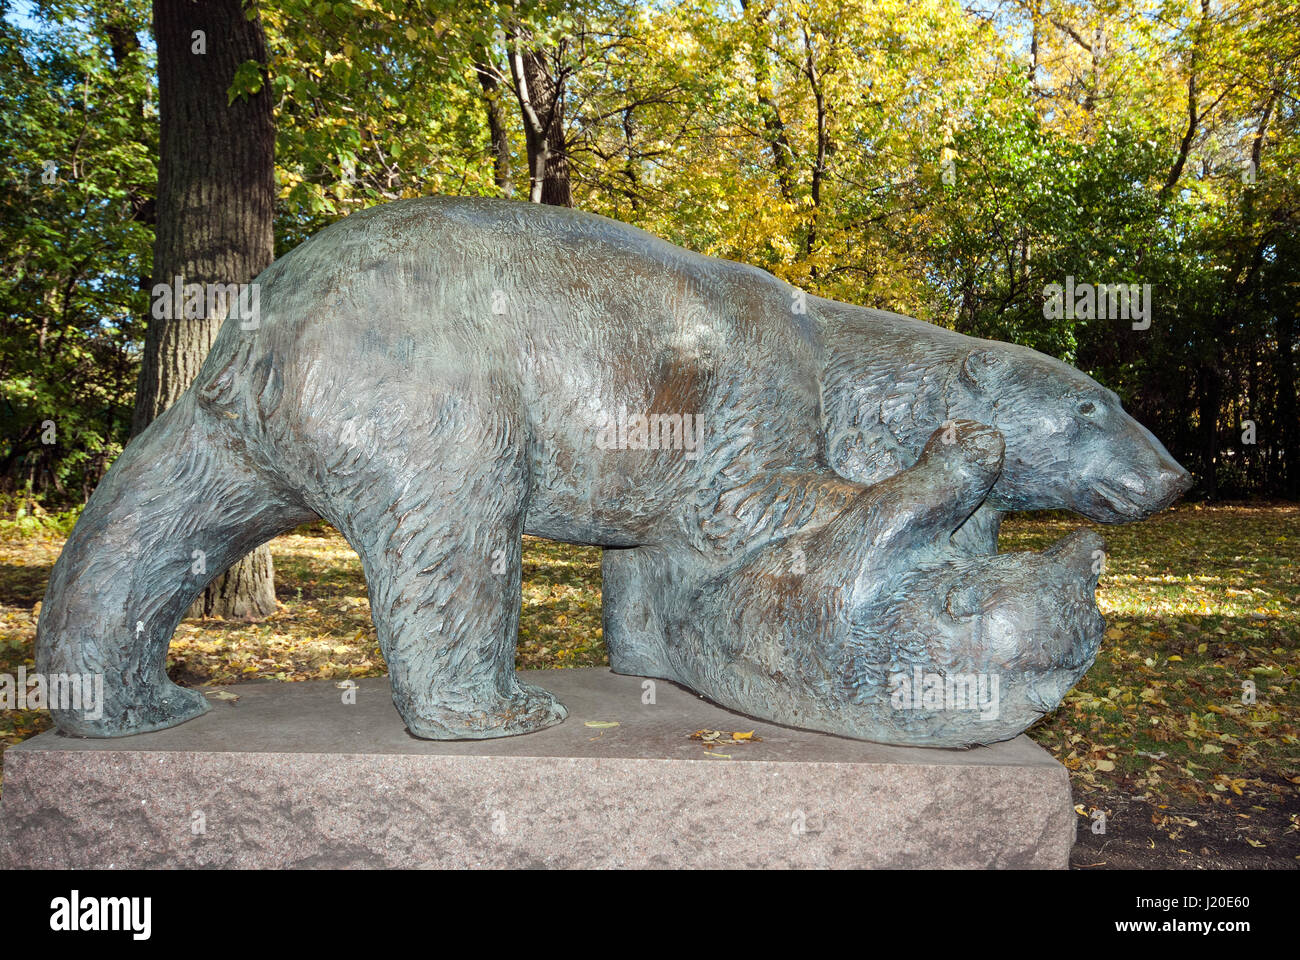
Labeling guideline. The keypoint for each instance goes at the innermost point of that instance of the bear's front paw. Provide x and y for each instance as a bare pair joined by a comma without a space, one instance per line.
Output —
530,709
968,442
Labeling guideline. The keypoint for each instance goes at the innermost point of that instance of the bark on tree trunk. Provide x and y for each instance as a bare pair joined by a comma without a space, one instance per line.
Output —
488,76
1287,416
541,103
216,201
811,69
1208,406
778,141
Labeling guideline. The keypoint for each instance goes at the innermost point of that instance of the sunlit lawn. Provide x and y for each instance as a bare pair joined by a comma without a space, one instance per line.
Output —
1203,614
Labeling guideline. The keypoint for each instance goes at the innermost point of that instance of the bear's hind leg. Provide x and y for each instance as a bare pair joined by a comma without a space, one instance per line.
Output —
633,584
179,506
437,519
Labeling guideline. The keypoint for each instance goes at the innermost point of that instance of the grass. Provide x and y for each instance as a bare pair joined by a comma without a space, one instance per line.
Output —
1202,604
1196,686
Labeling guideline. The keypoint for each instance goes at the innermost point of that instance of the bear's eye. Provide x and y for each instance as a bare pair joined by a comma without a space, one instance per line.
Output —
1087,408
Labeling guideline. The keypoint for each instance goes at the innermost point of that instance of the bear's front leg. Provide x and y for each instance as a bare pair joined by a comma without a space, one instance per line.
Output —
435,509
632,585
911,516
978,536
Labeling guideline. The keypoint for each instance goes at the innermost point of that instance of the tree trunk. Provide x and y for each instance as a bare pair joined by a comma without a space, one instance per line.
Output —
1288,418
488,75
541,103
216,201
777,140
1193,106
823,140
633,191
1209,402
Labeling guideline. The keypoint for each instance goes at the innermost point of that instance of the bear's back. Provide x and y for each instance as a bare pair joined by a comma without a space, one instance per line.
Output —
488,277
574,318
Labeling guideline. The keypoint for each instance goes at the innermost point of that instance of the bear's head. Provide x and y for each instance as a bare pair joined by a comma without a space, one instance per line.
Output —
1069,442
974,649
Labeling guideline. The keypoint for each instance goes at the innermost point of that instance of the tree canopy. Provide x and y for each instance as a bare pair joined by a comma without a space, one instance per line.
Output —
949,160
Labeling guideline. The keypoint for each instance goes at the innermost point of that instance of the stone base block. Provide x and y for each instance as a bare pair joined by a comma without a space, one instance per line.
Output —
291,775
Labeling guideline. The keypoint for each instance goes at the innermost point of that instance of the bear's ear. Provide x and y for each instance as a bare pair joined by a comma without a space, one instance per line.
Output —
981,367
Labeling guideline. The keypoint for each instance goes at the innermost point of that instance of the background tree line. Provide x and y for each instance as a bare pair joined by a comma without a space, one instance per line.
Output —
945,159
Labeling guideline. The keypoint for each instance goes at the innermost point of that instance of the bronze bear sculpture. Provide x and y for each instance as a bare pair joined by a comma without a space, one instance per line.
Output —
437,377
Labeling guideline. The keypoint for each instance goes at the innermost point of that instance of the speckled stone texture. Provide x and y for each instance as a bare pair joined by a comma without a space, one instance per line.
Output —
291,776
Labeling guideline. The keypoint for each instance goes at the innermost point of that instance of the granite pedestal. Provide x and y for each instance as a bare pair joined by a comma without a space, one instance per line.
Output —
290,775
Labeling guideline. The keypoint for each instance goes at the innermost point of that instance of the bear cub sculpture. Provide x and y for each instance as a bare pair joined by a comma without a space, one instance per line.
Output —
923,644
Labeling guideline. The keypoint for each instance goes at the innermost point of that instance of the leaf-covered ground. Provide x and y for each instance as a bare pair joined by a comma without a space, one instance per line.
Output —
1161,737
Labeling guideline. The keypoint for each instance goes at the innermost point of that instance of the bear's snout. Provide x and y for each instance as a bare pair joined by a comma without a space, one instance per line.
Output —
1133,477
1132,496
1174,480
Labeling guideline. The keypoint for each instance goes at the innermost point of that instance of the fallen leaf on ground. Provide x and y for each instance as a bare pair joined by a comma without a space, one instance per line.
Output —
710,737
